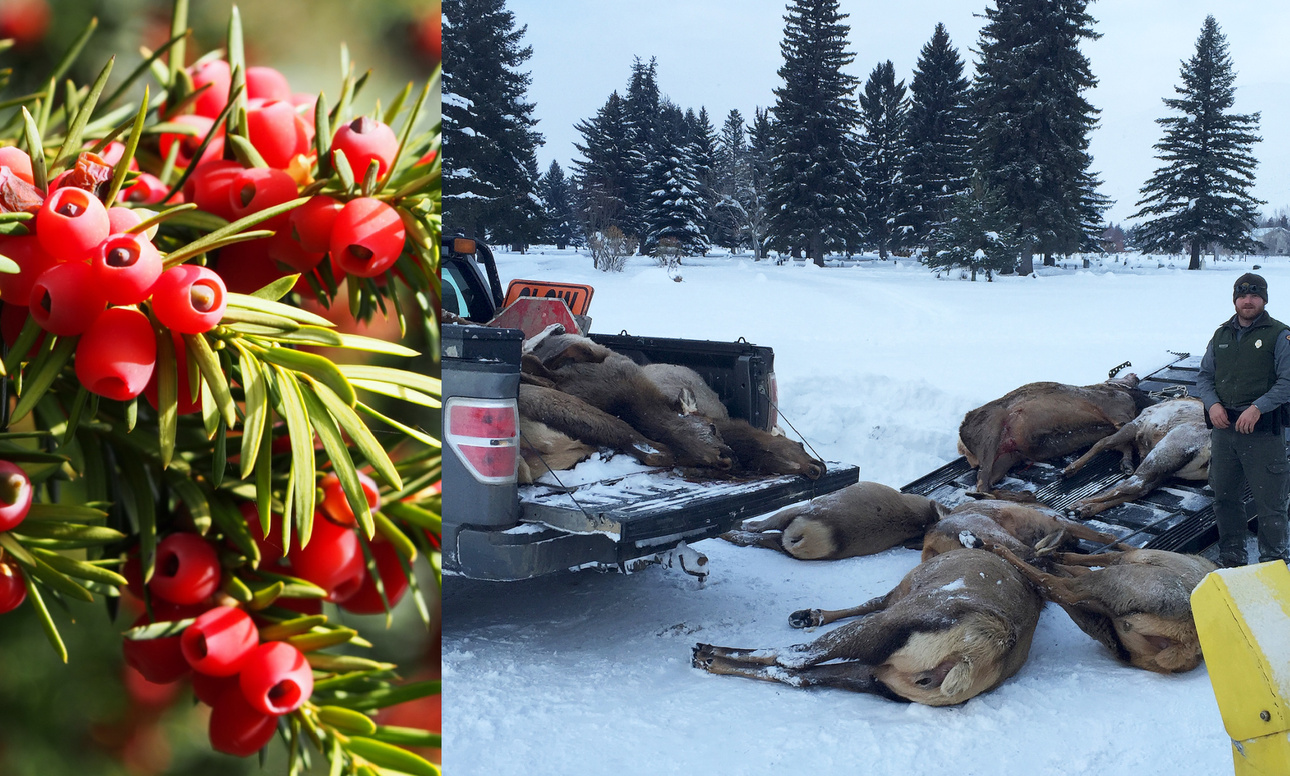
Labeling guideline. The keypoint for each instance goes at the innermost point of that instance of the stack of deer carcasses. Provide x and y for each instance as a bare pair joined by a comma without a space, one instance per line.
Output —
962,621
577,396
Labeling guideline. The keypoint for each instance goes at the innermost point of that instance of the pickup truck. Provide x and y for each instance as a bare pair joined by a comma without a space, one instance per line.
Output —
496,529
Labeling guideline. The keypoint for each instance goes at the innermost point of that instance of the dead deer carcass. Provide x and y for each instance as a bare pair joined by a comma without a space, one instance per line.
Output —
616,385
1138,603
582,423
1042,421
955,627
1170,439
686,389
1019,527
861,519
761,452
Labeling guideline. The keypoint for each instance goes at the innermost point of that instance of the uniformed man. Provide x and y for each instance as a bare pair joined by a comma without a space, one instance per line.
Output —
1244,381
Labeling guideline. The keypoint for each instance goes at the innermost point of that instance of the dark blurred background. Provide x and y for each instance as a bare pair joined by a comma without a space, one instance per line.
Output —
85,718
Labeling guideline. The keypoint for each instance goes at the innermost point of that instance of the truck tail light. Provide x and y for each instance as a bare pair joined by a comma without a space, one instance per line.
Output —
772,386
485,435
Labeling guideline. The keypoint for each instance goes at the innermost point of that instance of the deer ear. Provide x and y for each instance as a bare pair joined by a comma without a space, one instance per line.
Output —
689,404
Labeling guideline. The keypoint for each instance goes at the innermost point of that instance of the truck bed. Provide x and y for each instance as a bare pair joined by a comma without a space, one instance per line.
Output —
1177,517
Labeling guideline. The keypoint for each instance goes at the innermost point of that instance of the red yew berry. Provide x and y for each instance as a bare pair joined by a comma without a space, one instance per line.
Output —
187,569
276,131
116,357
246,267
238,729
216,73
125,268
188,144
32,260
271,550
189,299
66,300
219,641
13,590
71,223
288,253
209,688
368,600
187,403
208,186
363,140
266,83
331,560
146,693
122,218
159,660
19,161
15,495
112,153
147,189
367,237
336,506
276,678
260,188
312,222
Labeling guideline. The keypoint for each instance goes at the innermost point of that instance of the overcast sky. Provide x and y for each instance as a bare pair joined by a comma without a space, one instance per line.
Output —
724,54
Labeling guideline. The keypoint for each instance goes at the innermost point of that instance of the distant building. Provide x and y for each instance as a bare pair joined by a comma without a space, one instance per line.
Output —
1275,239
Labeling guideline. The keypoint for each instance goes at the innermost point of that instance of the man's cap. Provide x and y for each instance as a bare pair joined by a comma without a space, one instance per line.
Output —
1250,283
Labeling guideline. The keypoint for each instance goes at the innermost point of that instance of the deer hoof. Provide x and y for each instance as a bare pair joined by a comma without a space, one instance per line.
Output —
702,657
806,618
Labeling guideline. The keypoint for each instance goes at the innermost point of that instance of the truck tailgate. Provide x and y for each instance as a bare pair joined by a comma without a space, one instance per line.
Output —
646,509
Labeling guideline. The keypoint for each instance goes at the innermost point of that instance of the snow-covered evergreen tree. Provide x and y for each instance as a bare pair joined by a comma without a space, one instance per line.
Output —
756,197
730,180
561,223
642,106
704,138
882,147
488,135
978,233
938,135
1032,121
606,177
813,191
1201,195
674,206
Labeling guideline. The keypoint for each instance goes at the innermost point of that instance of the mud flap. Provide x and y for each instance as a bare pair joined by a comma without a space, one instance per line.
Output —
1242,617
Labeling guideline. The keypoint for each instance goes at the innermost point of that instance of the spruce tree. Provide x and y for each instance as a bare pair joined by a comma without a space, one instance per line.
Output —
488,133
730,180
606,176
642,109
704,138
813,200
674,204
938,135
976,234
882,147
1201,196
755,197
561,224
1033,123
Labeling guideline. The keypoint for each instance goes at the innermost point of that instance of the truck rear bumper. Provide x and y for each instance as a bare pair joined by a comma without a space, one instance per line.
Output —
624,522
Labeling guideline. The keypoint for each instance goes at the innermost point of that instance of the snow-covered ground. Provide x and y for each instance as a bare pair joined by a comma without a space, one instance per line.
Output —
877,362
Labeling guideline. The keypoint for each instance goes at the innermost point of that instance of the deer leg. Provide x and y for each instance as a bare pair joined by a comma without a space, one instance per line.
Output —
769,540
1121,440
856,677
810,618
1173,452
775,522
